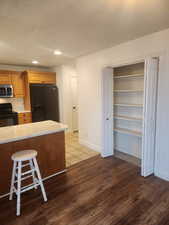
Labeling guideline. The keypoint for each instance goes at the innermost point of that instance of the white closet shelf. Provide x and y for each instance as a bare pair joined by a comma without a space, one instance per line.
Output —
128,105
129,132
128,118
123,91
129,76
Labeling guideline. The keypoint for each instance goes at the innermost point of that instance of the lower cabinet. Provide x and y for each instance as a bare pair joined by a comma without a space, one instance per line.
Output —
24,117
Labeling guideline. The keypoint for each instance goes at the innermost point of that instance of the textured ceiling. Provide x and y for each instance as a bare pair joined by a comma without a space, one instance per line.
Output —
33,29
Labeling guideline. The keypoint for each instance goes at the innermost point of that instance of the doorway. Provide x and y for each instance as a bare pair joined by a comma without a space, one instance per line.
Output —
75,152
74,92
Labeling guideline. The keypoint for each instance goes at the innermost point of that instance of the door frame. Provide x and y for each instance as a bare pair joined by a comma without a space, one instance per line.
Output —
148,158
107,112
74,76
149,115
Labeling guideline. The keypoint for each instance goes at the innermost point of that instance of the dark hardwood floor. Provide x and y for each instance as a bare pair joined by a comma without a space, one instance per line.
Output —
94,192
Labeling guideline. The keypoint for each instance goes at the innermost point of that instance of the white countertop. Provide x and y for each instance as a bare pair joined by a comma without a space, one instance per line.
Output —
24,131
22,111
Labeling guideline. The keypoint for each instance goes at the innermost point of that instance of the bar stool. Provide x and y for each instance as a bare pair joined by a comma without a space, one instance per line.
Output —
20,161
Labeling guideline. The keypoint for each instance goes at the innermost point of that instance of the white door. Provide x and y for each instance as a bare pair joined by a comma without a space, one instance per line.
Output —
74,88
149,126
107,112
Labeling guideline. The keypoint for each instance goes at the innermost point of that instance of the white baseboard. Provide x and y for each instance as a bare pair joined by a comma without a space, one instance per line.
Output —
94,147
162,176
106,155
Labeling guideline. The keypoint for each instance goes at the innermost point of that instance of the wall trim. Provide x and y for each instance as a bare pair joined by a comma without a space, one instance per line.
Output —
92,146
162,176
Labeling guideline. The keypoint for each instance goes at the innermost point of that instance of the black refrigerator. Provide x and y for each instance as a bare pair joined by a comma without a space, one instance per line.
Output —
44,102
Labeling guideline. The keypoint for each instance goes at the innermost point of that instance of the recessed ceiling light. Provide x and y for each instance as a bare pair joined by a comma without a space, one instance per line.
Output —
35,62
57,52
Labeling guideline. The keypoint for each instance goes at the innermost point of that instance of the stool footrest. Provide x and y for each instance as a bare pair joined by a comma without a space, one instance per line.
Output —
27,164
25,173
24,178
26,188
29,187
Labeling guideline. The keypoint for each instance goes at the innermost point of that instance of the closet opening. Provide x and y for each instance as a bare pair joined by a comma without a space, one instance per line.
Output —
129,95
128,99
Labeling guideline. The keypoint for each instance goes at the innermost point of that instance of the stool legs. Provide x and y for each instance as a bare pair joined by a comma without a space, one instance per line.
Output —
16,166
40,179
19,189
33,173
12,181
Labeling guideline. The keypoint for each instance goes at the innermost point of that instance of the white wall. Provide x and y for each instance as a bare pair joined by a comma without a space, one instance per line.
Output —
64,74
89,69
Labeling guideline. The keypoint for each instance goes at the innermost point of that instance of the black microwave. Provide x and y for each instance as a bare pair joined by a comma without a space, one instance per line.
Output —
6,91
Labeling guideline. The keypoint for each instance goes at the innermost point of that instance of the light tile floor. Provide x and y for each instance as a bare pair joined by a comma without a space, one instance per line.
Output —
76,152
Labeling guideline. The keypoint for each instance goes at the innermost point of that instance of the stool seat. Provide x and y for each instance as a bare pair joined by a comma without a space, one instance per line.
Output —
24,155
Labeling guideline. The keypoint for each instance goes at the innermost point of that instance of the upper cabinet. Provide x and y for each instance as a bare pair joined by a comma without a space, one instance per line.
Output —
37,77
18,83
14,78
5,77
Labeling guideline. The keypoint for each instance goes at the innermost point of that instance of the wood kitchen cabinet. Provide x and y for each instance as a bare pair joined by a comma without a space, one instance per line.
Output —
37,77
16,79
5,77
49,78
18,84
24,117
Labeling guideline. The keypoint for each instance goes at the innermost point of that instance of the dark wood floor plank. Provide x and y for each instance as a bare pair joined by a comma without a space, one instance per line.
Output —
94,192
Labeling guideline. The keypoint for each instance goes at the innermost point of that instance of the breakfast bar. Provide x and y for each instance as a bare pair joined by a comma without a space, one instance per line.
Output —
46,137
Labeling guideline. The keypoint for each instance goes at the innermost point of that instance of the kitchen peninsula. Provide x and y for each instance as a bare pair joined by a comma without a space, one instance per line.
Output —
46,137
